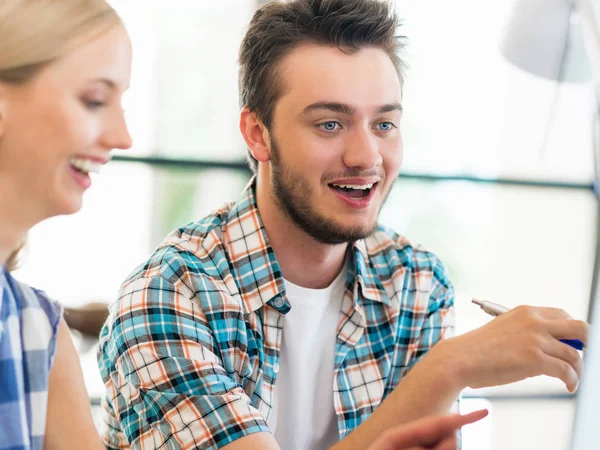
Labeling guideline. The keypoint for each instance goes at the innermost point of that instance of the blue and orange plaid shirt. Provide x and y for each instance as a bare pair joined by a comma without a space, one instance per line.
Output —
190,352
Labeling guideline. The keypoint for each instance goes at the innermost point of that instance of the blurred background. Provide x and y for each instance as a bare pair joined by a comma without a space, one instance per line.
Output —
497,179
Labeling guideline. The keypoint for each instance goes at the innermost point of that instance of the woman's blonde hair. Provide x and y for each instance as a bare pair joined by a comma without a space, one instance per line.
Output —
34,33
15,257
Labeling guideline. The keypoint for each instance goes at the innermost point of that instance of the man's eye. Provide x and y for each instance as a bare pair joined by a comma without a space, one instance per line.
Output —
329,126
386,126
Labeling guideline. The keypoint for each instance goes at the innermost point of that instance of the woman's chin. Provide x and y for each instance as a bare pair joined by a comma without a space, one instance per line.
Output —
68,205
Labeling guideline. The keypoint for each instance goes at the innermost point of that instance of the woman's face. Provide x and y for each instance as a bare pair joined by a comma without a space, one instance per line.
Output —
62,124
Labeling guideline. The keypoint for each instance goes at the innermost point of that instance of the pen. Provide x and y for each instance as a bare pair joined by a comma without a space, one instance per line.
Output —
494,309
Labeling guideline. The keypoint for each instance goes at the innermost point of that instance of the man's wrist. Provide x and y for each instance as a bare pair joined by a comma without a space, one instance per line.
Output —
445,357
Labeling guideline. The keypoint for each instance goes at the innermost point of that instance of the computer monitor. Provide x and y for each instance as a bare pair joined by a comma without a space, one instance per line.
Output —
586,430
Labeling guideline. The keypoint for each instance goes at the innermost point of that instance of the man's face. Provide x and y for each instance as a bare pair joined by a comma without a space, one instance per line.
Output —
336,146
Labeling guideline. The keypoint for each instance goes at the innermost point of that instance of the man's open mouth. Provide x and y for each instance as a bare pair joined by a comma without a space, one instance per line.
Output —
354,191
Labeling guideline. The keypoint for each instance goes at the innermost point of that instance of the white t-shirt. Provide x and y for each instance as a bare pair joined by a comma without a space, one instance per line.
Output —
303,412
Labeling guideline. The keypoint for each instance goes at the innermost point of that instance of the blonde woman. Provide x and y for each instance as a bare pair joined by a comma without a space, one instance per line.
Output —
64,65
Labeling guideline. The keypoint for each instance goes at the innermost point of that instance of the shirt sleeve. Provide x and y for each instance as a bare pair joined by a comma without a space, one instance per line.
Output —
440,321
54,312
168,386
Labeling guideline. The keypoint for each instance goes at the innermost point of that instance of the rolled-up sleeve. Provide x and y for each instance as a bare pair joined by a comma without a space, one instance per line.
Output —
440,320
166,385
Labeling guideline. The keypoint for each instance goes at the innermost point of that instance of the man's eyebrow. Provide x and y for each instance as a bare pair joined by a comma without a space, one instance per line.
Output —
341,108
346,109
389,108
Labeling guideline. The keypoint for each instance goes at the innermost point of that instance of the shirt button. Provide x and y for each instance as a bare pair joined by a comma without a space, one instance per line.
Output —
276,367
278,302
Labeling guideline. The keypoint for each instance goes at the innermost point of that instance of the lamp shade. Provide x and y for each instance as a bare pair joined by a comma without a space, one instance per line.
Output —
543,37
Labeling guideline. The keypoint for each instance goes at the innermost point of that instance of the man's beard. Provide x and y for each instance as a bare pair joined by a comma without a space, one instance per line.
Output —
292,193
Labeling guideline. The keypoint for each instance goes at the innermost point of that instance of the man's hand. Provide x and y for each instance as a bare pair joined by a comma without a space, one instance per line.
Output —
521,343
432,433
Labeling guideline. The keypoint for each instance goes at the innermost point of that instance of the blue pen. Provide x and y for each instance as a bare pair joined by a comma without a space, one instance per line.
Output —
494,309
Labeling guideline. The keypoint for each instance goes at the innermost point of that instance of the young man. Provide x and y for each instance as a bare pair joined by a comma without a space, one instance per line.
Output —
291,319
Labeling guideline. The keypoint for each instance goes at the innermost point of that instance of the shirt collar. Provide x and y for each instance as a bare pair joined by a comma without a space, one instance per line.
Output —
366,274
255,266
253,261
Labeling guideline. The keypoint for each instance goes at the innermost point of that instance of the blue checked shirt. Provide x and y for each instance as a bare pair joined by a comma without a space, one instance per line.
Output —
190,352
28,331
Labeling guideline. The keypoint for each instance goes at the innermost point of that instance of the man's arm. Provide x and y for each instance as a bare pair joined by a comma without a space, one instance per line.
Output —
519,344
164,372
437,432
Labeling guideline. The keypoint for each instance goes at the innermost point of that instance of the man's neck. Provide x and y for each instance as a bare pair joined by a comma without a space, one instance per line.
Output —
303,260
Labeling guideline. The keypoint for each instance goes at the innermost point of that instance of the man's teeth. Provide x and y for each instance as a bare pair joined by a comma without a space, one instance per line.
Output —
362,187
86,165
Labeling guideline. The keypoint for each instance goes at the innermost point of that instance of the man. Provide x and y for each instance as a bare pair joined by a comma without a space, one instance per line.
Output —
291,319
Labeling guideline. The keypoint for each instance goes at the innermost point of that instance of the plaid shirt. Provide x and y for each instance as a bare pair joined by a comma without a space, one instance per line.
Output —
28,326
189,354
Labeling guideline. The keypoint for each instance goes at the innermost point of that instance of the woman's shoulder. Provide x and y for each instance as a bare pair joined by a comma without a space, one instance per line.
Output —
38,314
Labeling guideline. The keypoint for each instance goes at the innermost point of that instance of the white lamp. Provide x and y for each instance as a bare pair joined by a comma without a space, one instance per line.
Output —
548,39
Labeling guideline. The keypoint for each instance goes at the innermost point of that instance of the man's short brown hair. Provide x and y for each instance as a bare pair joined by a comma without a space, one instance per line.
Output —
279,27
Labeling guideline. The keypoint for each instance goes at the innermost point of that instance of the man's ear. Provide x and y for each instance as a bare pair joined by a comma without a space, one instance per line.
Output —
255,134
